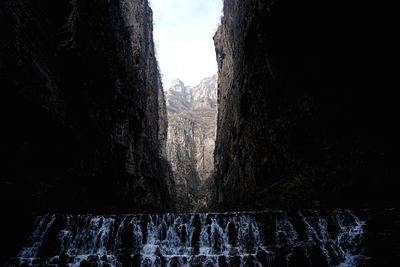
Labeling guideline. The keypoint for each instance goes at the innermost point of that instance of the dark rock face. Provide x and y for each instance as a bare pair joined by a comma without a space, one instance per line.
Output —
84,111
192,115
297,121
383,233
82,93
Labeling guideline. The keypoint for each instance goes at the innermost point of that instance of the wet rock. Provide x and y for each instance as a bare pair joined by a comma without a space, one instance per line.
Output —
55,260
174,262
64,259
232,234
317,257
234,251
104,258
263,257
251,261
125,258
87,263
183,235
136,259
37,262
222,262
236,261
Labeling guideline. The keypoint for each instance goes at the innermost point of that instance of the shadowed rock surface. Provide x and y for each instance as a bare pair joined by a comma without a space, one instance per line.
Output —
84,109
192,115
303,118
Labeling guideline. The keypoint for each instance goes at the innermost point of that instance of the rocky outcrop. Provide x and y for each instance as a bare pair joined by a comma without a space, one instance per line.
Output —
84,108
191,137
298,123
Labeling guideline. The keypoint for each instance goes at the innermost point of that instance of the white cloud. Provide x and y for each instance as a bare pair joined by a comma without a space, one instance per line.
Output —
183,34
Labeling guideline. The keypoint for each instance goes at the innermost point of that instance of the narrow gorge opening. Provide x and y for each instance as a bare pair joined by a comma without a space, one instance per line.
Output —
301,174
192,122
183,33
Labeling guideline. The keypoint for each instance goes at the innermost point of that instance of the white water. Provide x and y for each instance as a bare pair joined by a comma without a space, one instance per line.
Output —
194,240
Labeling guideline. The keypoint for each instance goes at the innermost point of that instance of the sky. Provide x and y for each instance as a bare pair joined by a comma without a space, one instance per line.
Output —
183,31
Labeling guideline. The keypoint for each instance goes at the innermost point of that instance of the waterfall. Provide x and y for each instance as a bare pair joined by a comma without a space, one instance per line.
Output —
303,238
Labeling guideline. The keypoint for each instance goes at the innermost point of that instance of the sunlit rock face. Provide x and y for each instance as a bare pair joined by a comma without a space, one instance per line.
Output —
300,119
191,137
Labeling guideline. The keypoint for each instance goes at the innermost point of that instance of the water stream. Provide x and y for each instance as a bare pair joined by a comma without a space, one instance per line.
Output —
275,238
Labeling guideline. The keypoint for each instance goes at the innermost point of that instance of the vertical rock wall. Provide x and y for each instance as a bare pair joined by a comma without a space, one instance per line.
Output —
191,139
83,107
300,119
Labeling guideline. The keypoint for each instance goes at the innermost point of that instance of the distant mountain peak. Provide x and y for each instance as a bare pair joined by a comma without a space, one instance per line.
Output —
182,98
177,85
177,82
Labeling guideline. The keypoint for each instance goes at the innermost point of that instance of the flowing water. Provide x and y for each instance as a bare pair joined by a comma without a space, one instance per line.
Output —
230,239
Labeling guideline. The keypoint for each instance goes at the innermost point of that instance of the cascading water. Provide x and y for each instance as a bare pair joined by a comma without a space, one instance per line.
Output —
229,239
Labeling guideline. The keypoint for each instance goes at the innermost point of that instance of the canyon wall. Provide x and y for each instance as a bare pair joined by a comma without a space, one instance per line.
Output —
83,108
304,116
192,115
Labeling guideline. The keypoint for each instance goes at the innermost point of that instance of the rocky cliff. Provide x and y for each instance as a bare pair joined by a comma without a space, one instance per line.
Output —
300,119
84,108
191,138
